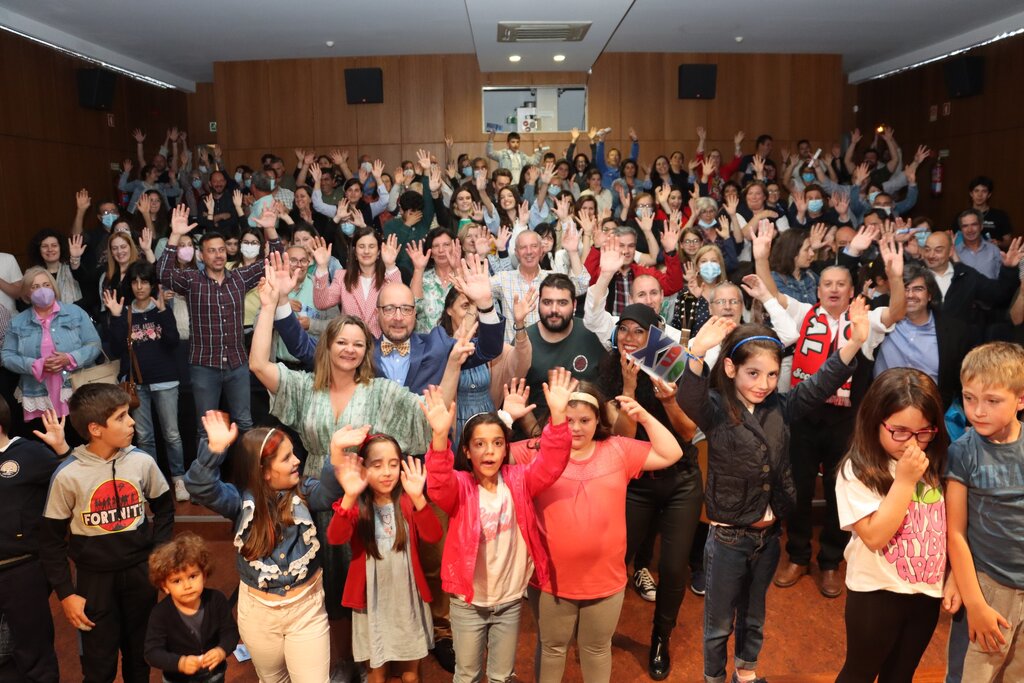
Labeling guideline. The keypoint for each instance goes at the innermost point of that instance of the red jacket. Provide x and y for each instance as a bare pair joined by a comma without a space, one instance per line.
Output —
421,524
457,493
671,280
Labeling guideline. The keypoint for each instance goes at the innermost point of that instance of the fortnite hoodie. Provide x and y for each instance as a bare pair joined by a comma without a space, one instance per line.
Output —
102,503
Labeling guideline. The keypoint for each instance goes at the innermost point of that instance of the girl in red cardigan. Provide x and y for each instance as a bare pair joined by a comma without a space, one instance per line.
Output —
383,513
493,540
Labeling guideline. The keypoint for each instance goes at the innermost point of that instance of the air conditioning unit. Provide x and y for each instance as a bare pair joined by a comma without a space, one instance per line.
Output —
542,31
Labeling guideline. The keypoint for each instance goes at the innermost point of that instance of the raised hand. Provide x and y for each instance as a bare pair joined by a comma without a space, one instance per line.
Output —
138,135
414,479
670,237
419,258
711,335
571,239
504,235
474,281
53,436
707,169
800,201
315,173
523,306
321,253
126,165
863,239
737,139
557,390
76,246
82,200
221,432
855,137
724,225
841,203
440,414
347,437
277,267
423,159
377,170
702,133
517,398
611,261
1012,256
463,347
435,178
523,213
818,232
389,251
160,298
732,204
236,200
762,239
208,203
754,287
113,304
179,221
892,256
860,325
146,240
266,220
350,473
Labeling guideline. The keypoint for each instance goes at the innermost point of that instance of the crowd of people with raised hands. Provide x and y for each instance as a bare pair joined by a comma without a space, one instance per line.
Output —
422,399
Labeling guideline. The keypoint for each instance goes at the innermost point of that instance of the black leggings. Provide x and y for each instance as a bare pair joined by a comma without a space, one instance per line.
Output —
886,635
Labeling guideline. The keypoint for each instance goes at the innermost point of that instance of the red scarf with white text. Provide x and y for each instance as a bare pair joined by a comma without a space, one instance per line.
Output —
814,347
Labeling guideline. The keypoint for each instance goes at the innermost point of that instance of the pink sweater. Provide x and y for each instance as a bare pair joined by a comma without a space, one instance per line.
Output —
457,493
352,303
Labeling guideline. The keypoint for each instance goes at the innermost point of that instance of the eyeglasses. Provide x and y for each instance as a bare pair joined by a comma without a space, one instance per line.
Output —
299,261
901,435
404,310
726,302
693,242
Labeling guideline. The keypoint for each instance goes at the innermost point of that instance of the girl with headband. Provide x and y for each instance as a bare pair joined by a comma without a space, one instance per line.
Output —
493,543
749,480
383,514
281,613
582,519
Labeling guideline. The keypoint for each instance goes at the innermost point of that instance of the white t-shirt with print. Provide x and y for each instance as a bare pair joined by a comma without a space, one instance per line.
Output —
914,559
503,563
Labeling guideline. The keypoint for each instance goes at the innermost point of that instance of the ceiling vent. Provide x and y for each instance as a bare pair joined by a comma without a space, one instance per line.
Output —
542,31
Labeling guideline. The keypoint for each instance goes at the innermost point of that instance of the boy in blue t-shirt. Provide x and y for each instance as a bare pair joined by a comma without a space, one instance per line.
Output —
984,508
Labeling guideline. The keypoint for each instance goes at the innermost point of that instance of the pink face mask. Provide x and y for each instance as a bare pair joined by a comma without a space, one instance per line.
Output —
185,254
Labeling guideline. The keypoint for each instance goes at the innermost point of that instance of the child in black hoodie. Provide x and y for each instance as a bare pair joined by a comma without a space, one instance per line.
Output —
99,495
192,632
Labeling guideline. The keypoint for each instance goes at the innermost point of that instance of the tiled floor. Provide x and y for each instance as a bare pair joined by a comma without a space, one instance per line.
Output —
805,640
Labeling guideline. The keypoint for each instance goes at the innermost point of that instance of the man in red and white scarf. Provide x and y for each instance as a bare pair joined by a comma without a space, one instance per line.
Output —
820,439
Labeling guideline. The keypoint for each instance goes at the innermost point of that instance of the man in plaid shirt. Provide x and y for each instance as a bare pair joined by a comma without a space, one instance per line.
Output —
216,301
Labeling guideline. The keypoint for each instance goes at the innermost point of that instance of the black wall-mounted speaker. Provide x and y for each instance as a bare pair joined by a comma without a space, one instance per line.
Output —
364,86
96,88
697,81
965,76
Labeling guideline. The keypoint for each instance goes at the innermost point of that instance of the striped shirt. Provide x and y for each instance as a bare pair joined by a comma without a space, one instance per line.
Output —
215,308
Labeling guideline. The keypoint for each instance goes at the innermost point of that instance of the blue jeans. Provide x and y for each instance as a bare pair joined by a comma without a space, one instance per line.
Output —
208,384
739,563
479,629
165,403
956,648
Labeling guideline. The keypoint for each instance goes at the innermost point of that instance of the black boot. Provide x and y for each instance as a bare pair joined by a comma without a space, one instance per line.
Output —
659,664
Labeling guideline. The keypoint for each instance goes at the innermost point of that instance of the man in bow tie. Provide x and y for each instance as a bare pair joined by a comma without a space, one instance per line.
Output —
418,360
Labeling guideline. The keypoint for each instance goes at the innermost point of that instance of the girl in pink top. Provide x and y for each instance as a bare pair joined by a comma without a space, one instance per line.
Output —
371,264
493,542
582,519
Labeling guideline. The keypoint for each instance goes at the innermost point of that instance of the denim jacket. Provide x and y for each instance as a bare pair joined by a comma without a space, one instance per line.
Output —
295,557
72,332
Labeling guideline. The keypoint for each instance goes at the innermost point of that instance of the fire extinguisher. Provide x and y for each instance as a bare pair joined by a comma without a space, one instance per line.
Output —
937,178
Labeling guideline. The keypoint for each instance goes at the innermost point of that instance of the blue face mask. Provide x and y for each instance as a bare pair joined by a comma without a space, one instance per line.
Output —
808,177
709,271
872,196
467,171
248,182
922,236
553,190
197,183
238,177
707,224
348,228
204,169
815,205
108,219
272,184
886,209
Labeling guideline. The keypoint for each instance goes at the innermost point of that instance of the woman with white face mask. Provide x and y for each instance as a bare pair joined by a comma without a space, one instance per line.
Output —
44,344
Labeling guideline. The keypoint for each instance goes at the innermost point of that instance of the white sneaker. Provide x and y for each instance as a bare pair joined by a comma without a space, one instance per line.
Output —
180,494
644,584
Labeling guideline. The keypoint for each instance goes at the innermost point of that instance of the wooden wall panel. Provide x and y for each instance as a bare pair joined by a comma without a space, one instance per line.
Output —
334,122
380,124
421,100
984,133
290,86
201,111
50,146
604,92
243,103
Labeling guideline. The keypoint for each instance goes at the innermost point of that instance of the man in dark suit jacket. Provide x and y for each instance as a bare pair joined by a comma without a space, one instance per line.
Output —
415,361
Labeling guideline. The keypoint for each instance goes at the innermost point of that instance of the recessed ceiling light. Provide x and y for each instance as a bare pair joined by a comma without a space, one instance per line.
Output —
330,43
514,58
559,58
739,39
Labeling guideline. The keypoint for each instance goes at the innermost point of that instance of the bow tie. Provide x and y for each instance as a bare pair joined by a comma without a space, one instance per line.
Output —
386,347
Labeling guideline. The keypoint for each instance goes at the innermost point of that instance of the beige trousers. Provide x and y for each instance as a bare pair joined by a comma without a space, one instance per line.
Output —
1007,664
